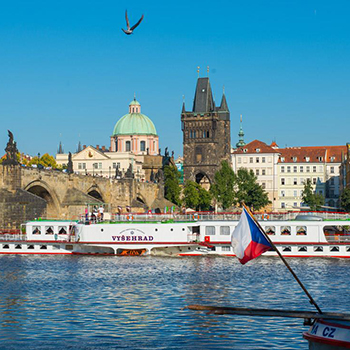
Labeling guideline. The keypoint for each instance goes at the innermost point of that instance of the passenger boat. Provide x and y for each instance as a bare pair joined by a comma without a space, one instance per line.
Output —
303,236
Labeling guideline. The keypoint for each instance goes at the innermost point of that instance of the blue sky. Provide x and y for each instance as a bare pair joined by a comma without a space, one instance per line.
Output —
68,72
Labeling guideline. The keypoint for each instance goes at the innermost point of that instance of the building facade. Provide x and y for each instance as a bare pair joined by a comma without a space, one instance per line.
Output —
134,147
206,135
262,159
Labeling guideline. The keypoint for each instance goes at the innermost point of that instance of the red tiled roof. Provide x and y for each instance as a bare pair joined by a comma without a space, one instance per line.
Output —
318,154
255,145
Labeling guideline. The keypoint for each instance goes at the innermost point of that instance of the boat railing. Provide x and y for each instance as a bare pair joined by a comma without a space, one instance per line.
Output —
12,237
211,216
338,238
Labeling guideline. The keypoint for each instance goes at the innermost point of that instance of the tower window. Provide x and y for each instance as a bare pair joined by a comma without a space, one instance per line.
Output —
194,134
127,146
208,133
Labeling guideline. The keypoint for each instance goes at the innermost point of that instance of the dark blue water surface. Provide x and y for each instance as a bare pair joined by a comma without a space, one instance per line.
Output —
69,302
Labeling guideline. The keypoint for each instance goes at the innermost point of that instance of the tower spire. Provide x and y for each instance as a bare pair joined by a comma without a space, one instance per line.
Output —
240,142
60,149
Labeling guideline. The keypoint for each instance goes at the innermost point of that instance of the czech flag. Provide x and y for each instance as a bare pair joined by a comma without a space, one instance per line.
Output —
248,239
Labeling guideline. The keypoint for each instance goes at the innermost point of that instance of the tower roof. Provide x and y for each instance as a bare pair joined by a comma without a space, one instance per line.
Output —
203,99
223,105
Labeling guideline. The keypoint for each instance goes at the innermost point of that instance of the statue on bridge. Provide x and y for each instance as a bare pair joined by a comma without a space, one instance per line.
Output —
11,151
70,164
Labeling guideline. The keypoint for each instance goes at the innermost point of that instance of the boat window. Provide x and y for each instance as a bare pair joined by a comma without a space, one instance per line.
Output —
287,248
285,230
301,230
347,248
270,230
224,230
334,249
62,230
36,230
318,249
302,249
225,248
337,233
18,246
69,247
49,230
210,230
43,247
6,246
31,246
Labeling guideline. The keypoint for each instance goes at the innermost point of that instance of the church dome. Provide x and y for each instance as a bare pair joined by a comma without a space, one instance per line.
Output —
134,123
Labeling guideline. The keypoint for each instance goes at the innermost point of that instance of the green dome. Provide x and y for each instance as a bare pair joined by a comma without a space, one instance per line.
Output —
134,124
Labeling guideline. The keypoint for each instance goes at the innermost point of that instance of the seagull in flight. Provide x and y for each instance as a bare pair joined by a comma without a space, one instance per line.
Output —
129,30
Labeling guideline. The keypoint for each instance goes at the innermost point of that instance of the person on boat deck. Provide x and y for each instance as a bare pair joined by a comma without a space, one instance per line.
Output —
94,214
100,211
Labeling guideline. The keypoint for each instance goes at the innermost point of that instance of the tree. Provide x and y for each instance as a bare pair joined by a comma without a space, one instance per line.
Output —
46,161
345,199
222,188
310,198
172,189
196,197
249,191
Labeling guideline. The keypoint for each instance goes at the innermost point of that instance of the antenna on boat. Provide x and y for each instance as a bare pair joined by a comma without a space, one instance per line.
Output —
312,301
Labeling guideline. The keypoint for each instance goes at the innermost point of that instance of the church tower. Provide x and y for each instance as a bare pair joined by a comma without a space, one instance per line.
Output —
206,135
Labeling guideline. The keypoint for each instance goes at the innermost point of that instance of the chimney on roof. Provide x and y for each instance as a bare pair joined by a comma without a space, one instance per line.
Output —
84,146
103,148
97,146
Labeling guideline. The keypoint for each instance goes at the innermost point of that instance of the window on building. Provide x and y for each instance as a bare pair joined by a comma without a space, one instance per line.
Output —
282,169
295,169
257,159
95,165
307,169
80,166
295,193
283,181
295,181
263,172
194,134
282,159
257,150
314,180
301,169
288,169
251,160
283,193
283,205
263,159
332,169
331,181
295,159
257,172
84,165
307,159
100,165
314,169
114,166
332,159
302,181
208,134
127,146
143,146
295,204
263,185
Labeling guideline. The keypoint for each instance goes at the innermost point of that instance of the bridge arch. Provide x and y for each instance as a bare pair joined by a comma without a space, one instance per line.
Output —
203,179
43,190
95,192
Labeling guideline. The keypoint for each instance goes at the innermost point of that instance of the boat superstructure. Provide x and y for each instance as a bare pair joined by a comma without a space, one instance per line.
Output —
175,236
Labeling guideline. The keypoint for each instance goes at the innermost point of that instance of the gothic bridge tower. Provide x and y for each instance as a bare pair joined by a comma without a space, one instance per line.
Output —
206,135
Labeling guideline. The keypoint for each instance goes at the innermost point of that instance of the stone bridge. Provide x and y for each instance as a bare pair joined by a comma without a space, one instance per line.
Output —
30,192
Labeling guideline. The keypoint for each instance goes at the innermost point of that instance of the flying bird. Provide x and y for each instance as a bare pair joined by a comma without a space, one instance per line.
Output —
129,30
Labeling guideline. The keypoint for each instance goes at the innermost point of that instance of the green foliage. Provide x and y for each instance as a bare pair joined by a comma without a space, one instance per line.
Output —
222,188
46,161
345,199
172,189
310,198
249,191
196,197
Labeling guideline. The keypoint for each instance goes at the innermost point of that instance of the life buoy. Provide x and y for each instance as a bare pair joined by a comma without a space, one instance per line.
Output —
265,216
195,217
130,217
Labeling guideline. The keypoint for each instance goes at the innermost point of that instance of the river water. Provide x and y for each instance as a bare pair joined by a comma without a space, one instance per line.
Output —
70,302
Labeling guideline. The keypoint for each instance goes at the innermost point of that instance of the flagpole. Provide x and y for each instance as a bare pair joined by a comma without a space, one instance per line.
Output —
312,301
